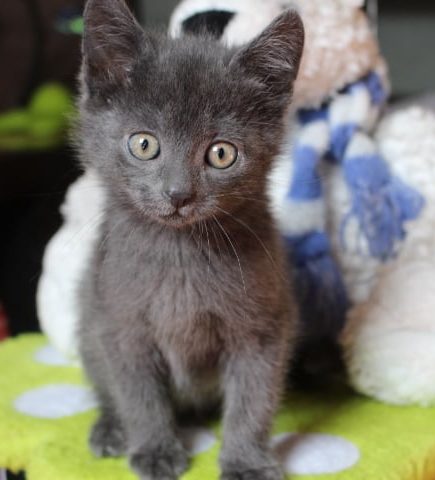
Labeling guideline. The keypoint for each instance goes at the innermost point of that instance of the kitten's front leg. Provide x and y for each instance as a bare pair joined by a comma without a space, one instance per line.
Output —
144,402
253,385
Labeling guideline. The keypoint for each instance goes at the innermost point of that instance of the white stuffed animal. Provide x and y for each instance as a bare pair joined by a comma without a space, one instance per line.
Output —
388,333
389,339
65,262
339,43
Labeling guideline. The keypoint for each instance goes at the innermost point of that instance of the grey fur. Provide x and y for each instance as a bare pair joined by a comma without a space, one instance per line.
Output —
185,308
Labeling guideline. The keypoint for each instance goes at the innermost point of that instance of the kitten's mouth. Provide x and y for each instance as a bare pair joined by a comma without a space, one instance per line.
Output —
178,218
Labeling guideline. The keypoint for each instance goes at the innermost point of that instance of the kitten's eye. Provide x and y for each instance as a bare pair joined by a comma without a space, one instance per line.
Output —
221,155
144,146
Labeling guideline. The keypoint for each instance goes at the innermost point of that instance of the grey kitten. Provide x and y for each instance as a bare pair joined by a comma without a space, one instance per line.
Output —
187,303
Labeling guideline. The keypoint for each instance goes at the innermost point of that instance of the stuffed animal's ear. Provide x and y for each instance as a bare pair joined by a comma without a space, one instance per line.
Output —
273,57
211,22
111,43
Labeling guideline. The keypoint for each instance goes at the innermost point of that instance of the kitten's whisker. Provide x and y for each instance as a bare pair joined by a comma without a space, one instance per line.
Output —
209,249
132,231
201,234
235,253
90,224
192,230
245,225
233,195
103,242
217,241
128,242
197,236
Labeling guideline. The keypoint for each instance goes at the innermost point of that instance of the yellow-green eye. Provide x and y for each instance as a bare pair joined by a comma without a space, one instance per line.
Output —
221,155
144,146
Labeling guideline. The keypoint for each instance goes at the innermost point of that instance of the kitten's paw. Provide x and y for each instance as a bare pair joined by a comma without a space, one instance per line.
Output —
107,438
164,462
272,472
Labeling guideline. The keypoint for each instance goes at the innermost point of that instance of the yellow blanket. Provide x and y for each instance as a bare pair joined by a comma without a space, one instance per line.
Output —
46,410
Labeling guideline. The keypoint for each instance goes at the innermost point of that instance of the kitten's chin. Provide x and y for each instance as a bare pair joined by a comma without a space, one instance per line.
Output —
184,217
178,220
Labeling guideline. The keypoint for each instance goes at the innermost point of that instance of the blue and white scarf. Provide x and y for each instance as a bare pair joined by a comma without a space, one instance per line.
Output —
340,132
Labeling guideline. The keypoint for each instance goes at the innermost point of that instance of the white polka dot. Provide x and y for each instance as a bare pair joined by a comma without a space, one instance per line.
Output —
314,454
50,356
197,440
55,401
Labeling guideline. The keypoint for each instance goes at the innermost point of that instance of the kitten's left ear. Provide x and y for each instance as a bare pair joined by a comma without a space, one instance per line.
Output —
273,57
111,43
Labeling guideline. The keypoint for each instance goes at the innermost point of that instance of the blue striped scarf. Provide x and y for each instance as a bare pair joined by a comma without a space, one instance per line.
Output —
340,132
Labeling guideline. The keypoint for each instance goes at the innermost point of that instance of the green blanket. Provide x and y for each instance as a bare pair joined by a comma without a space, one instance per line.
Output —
46,410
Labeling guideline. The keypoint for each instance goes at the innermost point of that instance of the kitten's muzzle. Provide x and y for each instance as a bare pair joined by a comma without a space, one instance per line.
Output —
178,198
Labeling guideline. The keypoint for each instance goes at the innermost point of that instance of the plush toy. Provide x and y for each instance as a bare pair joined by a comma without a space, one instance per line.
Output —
390,334
350,195
65,261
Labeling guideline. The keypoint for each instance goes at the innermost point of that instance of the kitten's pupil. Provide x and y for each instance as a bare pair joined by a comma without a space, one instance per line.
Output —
221,153
144,144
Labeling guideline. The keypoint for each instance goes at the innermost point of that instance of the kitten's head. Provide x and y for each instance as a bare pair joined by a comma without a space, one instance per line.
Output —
180,130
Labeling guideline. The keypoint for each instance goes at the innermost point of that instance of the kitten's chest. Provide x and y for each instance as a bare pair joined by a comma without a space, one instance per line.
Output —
189,321
177,290
181,293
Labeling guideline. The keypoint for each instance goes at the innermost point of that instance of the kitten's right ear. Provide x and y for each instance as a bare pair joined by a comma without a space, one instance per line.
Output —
111,44
274,56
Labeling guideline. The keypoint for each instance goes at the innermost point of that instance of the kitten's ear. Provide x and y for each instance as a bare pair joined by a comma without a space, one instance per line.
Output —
111,43
274,56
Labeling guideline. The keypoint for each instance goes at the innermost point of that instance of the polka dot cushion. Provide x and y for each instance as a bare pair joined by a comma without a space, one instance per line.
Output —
46,410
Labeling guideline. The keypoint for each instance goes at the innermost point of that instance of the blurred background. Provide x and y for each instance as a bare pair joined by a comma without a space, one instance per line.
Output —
39,61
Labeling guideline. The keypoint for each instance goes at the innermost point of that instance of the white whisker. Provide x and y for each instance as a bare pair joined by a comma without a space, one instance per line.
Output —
234,250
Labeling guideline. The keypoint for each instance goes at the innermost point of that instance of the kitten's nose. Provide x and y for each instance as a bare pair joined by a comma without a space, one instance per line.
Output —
178,198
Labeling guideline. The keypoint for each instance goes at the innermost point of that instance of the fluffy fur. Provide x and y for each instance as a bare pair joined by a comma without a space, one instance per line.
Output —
185,306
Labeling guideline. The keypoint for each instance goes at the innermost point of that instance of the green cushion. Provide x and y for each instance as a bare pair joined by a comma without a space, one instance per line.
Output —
46,411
